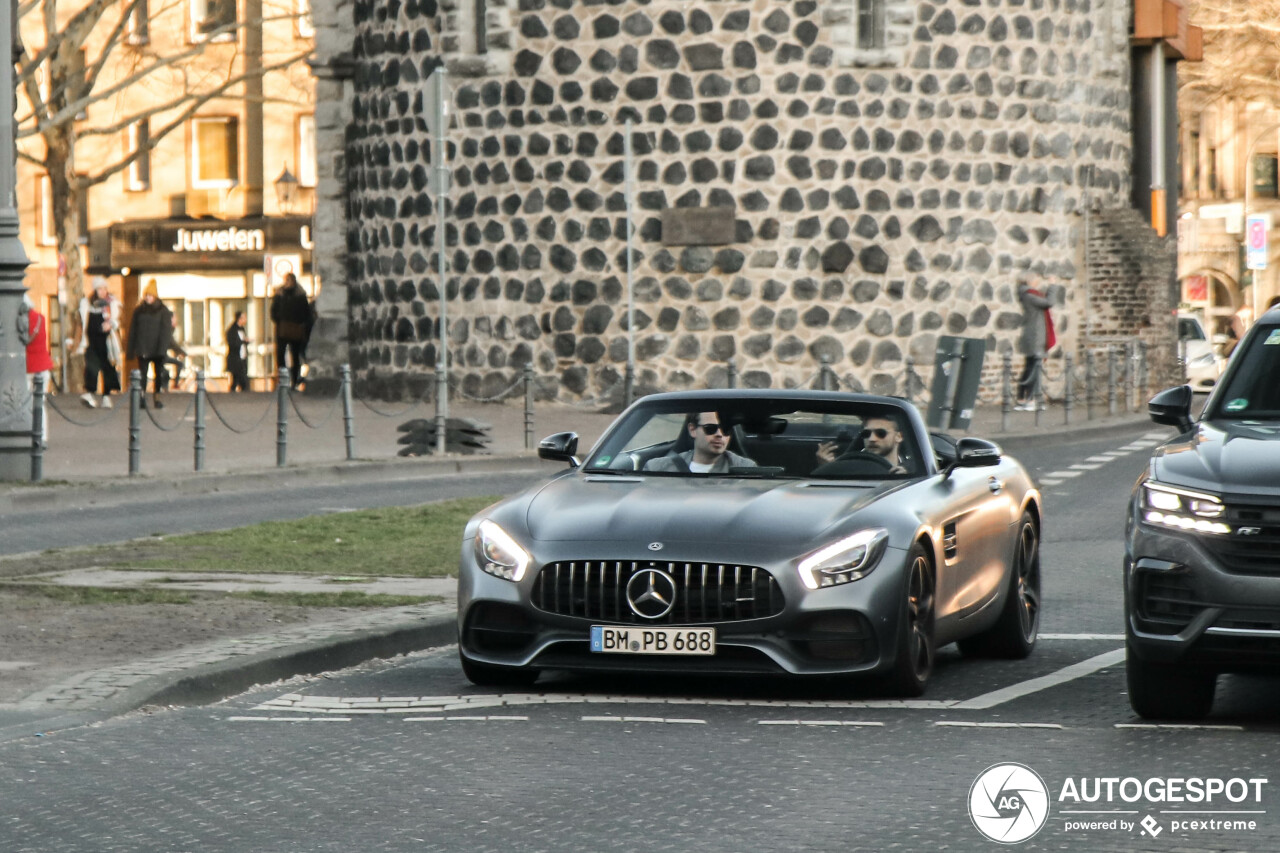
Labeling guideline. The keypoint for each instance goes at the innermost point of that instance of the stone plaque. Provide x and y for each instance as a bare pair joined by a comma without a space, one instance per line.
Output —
697,226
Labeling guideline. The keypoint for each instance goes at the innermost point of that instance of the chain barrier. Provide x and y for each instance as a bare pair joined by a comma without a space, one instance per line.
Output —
415,404
213,406
333,407
181,418
49,398
501,396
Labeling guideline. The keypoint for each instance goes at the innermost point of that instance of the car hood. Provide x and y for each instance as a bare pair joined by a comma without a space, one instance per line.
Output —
671,509
1238,457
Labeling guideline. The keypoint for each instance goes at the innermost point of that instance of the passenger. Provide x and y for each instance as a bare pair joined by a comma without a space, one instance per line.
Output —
880,436
710,453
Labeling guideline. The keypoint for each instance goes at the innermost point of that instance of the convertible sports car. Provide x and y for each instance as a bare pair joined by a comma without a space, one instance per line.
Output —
809,547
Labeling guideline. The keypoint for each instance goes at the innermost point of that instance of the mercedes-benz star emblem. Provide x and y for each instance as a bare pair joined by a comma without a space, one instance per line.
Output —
651,593
655,546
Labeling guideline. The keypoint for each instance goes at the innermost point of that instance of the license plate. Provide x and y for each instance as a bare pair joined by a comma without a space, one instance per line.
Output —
653,641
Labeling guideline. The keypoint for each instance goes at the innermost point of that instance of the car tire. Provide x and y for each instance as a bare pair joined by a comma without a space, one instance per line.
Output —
488,675
915,652
1165,692
1013,636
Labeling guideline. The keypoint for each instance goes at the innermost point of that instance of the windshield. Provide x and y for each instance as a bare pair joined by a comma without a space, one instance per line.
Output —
1251,390
826,439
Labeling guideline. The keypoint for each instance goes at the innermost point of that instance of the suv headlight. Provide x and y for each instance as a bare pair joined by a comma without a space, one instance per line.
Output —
846,560
1182,509
499,554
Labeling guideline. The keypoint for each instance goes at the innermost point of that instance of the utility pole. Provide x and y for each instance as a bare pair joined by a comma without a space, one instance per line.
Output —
15,397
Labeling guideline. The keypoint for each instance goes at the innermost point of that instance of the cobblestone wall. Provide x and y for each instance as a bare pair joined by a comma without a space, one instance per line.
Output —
798,195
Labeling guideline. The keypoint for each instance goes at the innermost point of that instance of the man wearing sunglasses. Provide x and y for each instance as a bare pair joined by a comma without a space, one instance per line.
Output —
880,436
710,453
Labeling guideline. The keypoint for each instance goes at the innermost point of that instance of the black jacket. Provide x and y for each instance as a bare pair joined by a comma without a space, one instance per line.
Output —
151,331
291,312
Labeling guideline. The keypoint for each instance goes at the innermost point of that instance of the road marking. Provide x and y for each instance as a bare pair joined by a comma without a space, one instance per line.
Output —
1051,482
9,665
1085,466
676,721
1188,726
1098,459
1116,454
819,723
1082,636
1044,682
971,725
289,719
1064,474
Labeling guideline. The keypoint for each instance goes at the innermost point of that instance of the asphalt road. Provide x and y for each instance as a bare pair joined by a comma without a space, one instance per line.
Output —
407,756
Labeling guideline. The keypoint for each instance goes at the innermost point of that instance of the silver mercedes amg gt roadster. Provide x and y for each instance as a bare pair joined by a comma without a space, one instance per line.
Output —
756,532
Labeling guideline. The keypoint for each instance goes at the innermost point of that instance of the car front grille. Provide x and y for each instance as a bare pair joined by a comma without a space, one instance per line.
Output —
1254,553
704,592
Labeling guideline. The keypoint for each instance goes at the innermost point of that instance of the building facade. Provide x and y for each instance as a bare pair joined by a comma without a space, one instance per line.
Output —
839,181
198,211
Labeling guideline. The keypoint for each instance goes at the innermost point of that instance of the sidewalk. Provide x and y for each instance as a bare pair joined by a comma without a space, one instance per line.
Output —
80,677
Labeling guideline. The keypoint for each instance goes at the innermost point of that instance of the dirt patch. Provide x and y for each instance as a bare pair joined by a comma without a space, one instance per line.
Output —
61,561
62,639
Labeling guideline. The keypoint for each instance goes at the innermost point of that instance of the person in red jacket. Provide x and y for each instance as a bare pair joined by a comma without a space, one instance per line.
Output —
39,361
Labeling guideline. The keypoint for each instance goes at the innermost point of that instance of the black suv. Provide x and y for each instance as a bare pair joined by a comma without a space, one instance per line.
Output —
1202,540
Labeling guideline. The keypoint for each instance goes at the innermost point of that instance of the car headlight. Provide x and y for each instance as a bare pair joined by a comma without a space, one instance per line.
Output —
499,554
1182,509
843,561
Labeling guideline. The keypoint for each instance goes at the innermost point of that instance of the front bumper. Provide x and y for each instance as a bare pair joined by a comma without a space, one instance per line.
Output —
850,628
1188,601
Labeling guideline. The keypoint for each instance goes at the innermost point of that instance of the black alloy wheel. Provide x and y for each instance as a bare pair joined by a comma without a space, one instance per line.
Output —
1014,633
914,664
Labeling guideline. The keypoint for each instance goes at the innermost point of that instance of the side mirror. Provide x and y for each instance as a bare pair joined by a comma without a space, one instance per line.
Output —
974,453
1172,407
560,447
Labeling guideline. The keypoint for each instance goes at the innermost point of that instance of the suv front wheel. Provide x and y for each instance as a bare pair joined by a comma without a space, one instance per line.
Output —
1164,692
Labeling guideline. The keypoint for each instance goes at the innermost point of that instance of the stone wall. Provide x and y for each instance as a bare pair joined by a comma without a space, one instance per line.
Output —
867,199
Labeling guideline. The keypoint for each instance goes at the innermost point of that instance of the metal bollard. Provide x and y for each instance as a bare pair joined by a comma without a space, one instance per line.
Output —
348,417
732,376
1131,386
199,437
135,422
911,374
1143,378
282,418
37,428
1068,392
1038,397
1006,395
1111,380
1088,384
823,371
528,407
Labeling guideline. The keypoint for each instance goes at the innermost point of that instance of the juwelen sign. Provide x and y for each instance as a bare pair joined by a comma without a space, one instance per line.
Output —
1256,228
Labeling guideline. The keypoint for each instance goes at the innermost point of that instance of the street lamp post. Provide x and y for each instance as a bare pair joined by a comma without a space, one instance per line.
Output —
15,398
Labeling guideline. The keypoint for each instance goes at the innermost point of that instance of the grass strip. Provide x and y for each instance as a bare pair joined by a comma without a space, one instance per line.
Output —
94,595
346,598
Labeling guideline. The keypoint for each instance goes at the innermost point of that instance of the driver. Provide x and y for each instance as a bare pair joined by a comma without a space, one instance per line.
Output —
710,453
880,436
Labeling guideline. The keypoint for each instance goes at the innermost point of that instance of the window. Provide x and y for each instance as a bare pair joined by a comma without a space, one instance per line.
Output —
138,28
215,152
1211,169
306,26
209,16
306,151
138,175
871,21
1193,155
1264,175
46,231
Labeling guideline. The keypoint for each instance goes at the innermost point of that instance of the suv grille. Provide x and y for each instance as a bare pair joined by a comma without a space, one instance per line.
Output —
705,592
1258,554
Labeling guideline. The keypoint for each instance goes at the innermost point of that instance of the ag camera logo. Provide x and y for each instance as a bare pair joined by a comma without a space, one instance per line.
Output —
1009,803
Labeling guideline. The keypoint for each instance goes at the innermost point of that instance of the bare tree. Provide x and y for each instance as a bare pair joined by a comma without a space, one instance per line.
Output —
1241,54
94,76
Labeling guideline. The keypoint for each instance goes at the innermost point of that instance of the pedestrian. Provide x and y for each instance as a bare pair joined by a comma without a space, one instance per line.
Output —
150,339
238,352
39,360
100,316
291,312
1037,338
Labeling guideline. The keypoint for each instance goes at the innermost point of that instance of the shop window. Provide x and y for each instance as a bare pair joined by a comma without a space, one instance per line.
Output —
208,17
138,28
306,26
1211,171
307,151
1193,157
1264,175
871,24
215,152
138,175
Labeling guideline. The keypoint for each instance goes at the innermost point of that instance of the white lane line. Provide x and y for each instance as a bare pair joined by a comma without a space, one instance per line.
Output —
1098,459
1050,482
1085,466
1064,474
854,723
1187,726
289,719
960,724
1156,434
1082,636
1116,454
674,720
1044,682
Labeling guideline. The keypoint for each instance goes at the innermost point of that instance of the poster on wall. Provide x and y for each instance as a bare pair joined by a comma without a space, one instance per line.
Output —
274,268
